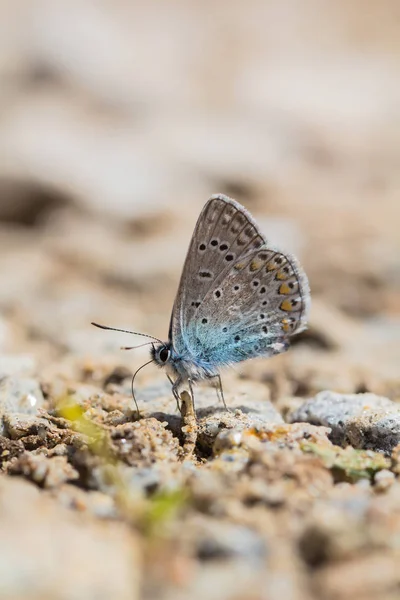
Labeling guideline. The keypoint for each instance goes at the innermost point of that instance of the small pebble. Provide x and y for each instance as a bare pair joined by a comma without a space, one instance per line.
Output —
384,480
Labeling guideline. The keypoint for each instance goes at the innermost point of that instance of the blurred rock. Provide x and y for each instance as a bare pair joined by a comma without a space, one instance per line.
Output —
363,420
250,415
9,449
19,395
93,502
49,551
216,540
28,204
378,430
383,480
47,472
143,443
332,409
311,371
117,376
363,577
348,464
19,425
25,267
227,439
335,531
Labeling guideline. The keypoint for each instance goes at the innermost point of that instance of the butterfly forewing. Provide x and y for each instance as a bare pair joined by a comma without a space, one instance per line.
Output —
224,232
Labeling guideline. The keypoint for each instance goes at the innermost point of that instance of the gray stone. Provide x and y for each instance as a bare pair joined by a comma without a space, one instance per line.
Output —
19,425
362,420
375,430
22,395
221,540
383,480
246,411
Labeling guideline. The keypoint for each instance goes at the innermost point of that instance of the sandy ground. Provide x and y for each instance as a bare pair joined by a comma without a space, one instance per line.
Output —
117,123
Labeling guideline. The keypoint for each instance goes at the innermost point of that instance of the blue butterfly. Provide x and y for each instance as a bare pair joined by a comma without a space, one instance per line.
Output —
238,298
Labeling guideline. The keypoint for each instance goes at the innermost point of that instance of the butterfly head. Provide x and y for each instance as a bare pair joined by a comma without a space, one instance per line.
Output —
161,354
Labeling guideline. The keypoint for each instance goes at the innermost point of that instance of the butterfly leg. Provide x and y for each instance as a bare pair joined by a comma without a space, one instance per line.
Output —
175,391
220,391
191,392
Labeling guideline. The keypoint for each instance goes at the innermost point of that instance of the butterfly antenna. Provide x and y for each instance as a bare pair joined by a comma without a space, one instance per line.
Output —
133,379
125,331
134,347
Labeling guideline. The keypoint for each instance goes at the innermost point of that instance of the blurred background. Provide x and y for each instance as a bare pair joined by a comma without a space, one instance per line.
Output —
119,119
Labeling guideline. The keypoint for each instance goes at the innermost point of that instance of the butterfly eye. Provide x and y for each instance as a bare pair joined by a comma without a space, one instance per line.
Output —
164,354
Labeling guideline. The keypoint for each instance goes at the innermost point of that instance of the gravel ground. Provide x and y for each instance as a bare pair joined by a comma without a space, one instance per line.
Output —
105,163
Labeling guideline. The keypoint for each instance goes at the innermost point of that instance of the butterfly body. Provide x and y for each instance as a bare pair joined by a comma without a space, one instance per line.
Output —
185,366
238,298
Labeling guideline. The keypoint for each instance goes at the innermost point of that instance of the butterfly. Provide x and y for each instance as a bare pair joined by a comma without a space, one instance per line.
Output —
238,298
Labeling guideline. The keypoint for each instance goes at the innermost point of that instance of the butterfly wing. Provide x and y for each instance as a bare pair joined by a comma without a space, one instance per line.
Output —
224,232
238,298
252,309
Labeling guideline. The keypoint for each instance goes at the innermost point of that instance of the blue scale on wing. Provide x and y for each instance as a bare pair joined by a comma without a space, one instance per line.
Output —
238,345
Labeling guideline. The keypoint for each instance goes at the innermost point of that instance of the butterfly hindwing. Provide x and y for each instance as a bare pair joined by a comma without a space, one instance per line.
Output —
252,309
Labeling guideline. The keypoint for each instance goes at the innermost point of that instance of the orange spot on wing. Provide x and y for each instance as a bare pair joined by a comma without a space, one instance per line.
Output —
284,289
239,266
281,275
255,265
285,325
287,305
